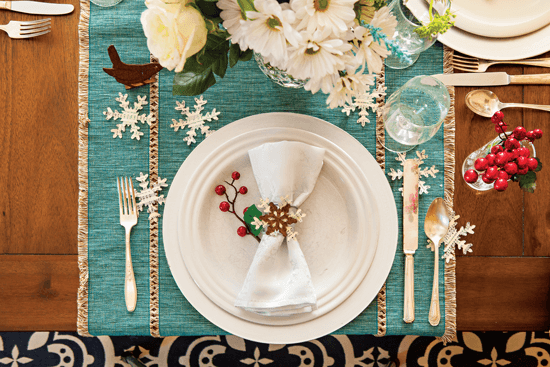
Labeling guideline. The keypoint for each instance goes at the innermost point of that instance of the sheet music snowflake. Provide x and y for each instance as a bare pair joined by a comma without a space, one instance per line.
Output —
452,239
129,116
423,172
194,120
364,102
148,196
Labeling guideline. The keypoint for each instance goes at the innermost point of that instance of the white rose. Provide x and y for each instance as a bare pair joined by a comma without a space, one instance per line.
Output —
174,32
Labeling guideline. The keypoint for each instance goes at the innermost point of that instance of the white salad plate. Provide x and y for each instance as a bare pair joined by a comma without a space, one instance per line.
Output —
508,48
501,18
208,260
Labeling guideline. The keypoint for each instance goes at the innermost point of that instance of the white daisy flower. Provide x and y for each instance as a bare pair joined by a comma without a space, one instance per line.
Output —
385,20
317,55
347,86
269,29
325,83
234,22
338,15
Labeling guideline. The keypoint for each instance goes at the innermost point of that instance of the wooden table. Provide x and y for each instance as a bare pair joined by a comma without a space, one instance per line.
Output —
503,285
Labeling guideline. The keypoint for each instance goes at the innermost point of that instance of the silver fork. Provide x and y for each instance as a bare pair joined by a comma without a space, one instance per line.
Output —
128,219
34,28
475,65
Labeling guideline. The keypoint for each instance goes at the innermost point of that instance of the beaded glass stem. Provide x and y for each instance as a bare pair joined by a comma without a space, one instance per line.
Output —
277,75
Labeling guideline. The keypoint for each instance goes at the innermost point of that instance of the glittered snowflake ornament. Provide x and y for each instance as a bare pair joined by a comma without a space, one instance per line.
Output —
452,239
148,196
365,102
194,120
422,172
129,117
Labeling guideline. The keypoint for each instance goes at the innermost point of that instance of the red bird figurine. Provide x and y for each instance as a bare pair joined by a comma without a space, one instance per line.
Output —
131,75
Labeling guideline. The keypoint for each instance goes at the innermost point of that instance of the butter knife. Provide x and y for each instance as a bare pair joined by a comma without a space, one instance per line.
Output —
36,7
410,233
486,79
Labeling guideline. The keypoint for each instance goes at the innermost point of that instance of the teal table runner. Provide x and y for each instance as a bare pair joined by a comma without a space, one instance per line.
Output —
161,309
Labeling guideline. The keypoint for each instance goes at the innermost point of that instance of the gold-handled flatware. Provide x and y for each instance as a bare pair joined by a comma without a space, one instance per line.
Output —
436,226
128,219
485,103
410,233
475,65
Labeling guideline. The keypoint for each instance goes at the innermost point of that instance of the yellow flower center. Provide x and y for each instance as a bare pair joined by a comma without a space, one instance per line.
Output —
321,5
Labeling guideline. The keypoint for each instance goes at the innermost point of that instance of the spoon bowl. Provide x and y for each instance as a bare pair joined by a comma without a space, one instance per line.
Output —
485,103
436,225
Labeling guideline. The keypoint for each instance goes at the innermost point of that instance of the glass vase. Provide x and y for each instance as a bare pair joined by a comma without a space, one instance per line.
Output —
480,185
405,36
277,75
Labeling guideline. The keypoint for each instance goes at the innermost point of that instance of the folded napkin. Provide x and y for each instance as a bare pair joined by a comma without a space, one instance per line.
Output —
278,282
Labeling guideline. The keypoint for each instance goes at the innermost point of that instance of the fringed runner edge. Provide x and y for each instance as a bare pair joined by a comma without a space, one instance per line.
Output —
83,121
154,323
449,184
381,159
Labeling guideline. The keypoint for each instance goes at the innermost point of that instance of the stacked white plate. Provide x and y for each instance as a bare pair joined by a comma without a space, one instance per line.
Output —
349,234
496,29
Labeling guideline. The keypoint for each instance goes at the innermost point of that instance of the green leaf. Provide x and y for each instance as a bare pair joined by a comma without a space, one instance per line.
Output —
527,181
247,55
217,43
220,66
234,53
208,8
246,5
539,167
251,213
189,83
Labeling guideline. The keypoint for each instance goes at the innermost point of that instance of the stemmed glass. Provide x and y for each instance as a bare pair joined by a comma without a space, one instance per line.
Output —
413,114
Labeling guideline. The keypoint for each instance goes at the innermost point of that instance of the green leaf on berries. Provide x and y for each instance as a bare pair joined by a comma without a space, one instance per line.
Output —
539,167
527,181
251,213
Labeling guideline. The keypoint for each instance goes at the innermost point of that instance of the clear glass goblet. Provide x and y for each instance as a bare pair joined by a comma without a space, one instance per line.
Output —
413,113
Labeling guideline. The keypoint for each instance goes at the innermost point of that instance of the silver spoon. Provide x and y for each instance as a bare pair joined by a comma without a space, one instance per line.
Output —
485,103
436,226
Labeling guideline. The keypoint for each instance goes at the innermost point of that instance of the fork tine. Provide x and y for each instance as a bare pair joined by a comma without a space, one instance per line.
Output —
463,69
464,57
34,26
127,198
465,62
36,21
120,196
465,65
35,30
34,34
134,206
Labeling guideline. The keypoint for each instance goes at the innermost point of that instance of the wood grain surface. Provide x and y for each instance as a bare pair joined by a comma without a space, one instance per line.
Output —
503,285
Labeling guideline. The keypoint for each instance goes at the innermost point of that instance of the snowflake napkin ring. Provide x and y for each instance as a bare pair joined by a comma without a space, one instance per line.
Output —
278,219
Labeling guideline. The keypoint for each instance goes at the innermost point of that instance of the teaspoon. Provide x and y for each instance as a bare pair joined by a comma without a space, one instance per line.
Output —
436,226
486,103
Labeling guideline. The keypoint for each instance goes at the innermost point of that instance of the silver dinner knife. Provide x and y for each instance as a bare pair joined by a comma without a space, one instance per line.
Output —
36,7
410,233
486,79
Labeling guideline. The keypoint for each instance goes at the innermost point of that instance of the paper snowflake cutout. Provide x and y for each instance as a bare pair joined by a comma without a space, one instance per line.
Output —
148,196
452,239
422,172
194,120
364,102
129,116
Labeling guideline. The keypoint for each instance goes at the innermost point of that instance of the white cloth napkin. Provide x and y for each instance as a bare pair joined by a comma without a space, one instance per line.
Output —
278,282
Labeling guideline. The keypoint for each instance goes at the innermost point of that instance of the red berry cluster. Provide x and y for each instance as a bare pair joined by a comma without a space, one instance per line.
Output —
507,160
229,204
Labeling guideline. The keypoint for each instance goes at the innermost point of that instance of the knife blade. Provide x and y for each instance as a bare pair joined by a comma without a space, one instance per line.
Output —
36,7
410,233
486,79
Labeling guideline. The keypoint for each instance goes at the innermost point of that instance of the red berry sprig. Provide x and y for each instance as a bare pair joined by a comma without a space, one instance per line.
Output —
229,205
507,160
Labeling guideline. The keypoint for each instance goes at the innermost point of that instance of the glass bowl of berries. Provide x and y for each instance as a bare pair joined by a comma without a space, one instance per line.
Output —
511,156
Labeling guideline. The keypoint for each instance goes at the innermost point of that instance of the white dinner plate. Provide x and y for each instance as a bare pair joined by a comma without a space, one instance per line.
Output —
346,310
338,238
501,18
512,48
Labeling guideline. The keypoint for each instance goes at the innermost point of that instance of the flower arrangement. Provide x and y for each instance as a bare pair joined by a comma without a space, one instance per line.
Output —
336,46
